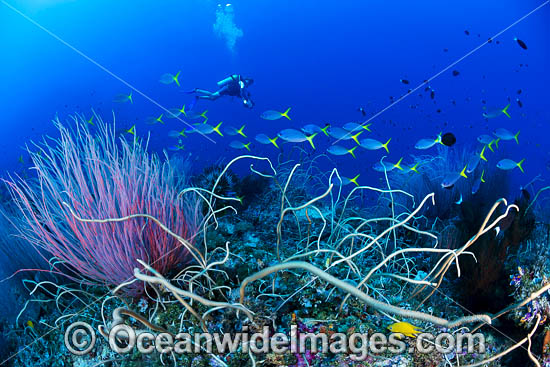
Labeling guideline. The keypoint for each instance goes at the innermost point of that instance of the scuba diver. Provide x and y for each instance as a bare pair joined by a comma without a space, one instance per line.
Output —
234,86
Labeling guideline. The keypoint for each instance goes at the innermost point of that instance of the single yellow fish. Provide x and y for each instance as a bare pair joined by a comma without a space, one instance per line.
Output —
404,328
30,324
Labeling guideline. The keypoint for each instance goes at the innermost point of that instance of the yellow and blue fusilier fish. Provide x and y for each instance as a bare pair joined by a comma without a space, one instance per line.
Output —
342,134
413,168
123,98
233,131
264,139
154,120
504,134
387,166
347,181
235,144
296,136
508,164
176,112
312,129
275,115
177,134
195,115
168,78
205,129
424,144
373,144
494,112
340,150
355,127
451,178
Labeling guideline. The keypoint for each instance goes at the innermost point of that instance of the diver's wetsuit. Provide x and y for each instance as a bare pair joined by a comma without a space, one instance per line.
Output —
234,86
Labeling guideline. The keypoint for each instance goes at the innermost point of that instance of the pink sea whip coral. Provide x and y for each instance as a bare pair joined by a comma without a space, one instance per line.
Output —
99,176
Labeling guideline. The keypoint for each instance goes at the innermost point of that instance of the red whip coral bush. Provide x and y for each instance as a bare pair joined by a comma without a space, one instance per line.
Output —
99,176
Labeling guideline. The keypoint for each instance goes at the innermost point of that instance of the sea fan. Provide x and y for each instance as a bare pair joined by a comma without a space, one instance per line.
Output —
97,176
432,170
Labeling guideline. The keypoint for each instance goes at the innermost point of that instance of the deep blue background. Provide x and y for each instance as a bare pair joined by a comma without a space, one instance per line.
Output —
322,58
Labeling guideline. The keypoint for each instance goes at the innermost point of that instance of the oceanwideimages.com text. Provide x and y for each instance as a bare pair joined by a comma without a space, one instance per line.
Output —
80,339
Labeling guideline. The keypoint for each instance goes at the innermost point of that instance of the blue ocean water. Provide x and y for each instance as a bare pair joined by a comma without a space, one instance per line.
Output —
324,59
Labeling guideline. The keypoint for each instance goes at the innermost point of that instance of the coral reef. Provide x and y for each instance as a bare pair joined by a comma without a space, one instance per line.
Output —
302,253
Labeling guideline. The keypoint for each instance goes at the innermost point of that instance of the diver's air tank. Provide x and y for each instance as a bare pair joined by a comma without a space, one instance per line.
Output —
221,83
